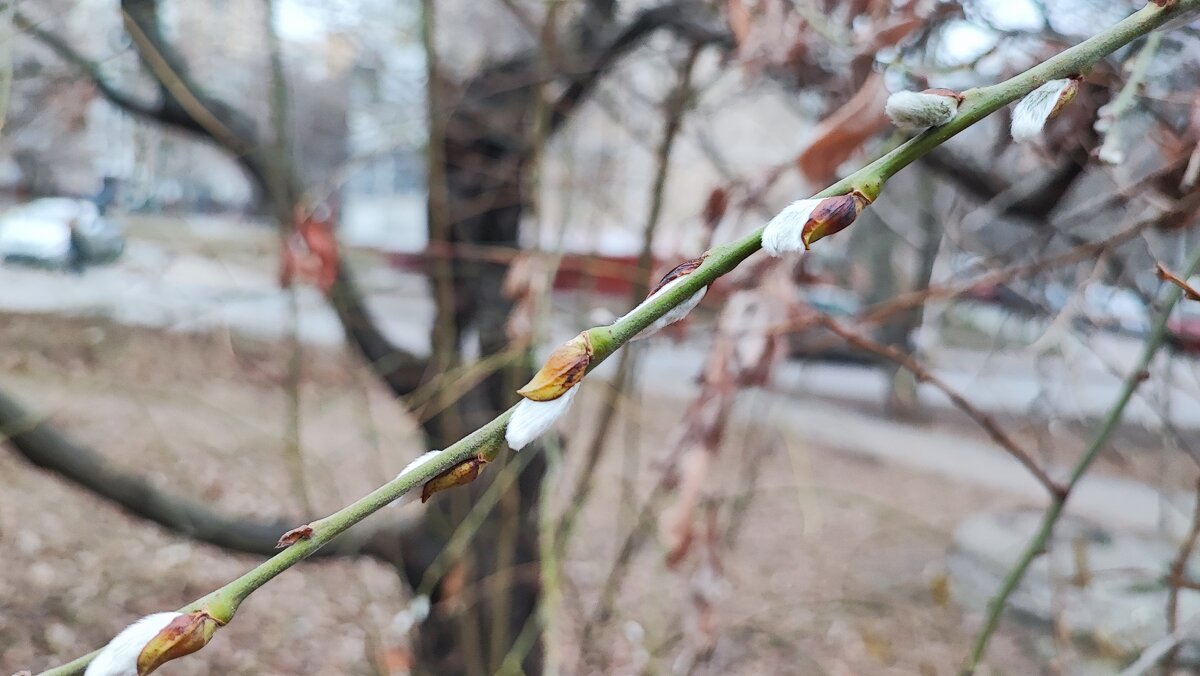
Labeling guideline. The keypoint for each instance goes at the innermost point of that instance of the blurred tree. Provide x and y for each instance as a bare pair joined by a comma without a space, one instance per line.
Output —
483,138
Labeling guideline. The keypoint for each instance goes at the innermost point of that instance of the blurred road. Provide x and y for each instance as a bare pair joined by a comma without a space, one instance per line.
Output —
153,287
192,292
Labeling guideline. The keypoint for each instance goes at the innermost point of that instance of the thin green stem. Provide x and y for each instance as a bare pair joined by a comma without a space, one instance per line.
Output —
1113,148
1037,545
222,604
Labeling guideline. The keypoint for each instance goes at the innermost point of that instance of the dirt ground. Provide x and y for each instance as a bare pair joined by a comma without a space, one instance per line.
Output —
836,567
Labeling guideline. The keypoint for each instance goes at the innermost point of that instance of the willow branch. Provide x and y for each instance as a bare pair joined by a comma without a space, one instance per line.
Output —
977,103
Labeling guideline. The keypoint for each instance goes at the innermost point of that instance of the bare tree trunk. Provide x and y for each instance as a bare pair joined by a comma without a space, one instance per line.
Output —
902,400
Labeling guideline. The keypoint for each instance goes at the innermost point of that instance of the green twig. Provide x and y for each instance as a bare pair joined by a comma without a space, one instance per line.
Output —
1037,545
222,604
1113,148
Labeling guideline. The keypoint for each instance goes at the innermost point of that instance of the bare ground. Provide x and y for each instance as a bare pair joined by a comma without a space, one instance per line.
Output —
836,568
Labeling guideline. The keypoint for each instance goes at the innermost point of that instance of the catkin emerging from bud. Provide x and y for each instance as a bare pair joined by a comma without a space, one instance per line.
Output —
1039,106
532,419
805,221
669,281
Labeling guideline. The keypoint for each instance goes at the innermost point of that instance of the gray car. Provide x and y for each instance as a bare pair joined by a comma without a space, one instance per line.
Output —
40,232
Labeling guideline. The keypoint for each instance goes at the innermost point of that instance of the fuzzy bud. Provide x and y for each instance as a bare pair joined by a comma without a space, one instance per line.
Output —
669,281
531,419
913,111
1039,106
153,641
805,221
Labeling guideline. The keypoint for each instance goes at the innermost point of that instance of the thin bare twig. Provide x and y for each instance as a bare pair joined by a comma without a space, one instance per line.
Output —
1166,275
1037,544
924,375
1176,581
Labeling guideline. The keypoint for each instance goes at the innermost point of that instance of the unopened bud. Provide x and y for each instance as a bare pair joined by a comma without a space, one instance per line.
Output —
912,111
1039,106
151,642
669,281
564,368
805,221
183,636
459,475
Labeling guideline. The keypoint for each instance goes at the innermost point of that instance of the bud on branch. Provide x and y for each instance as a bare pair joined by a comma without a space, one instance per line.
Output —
548,395
913,111
1040,106
153,641
805,221
668,282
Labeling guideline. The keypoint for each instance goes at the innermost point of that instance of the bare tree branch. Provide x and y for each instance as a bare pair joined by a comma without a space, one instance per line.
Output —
183,106
678,17
38,442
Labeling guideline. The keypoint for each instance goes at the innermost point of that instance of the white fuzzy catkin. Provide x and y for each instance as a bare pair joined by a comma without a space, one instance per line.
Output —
912,111
120,656
673,315
532,418
421,460
784,234
1031,114
413,494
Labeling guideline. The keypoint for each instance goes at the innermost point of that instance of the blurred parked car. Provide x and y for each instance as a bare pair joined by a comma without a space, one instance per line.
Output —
39,232
1183,327
1115,309
1102,306
818,342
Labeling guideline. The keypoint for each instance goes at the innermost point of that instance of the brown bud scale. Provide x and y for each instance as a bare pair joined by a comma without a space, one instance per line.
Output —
941,91
833,215
682,270
459,475
565,367
183,636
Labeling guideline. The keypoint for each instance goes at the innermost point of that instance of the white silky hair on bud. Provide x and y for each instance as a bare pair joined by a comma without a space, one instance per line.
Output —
784,234
912,111
1031,114
412,495
421,460
673,315
120,656
532,418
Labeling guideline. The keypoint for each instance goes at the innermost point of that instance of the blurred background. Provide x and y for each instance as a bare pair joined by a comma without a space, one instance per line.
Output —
257,255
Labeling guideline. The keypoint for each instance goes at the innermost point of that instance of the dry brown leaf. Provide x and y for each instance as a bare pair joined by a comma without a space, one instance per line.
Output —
715,207
676,521
741,19
842,134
